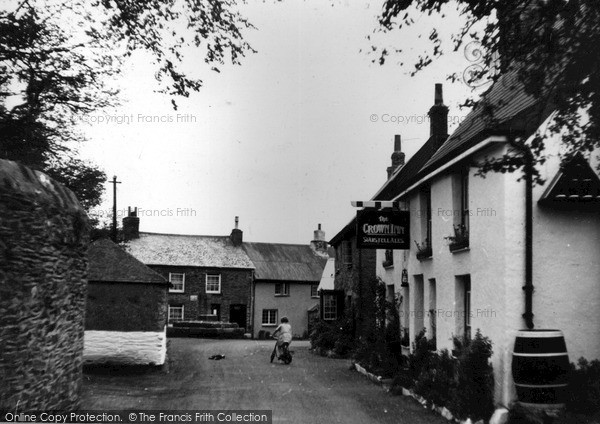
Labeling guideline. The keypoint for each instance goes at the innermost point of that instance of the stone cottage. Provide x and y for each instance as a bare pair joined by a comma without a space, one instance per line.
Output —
208,275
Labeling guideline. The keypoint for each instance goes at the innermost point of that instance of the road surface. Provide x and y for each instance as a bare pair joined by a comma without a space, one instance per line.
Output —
312,389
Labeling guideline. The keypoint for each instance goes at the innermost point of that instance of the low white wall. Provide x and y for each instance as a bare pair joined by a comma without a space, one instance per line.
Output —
125,347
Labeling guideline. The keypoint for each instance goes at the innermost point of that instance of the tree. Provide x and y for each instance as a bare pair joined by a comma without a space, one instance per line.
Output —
552,46
58,60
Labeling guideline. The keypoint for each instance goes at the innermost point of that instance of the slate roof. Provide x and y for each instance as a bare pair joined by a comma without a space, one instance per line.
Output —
285,262
188,250
345,233
513,110
406,175
108,262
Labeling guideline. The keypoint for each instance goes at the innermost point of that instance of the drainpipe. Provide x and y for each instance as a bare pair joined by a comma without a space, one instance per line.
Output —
528,287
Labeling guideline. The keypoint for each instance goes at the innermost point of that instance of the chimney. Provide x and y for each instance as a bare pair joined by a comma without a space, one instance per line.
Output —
236,236
131,225
438,116
397,156
319,245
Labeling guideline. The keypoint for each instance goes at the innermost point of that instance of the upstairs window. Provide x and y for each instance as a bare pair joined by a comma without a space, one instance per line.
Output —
460,237
282,289
424,248
177,281
388,260
314,290
347,253
213,283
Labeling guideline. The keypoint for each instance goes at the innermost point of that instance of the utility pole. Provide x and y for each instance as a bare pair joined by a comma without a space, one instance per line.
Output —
114,182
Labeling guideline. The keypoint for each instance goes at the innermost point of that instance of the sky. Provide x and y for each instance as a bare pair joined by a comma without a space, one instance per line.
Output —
286,140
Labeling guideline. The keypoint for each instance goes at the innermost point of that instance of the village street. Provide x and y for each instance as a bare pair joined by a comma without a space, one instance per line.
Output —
312,389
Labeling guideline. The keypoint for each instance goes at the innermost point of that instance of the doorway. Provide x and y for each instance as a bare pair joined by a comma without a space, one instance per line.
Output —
237,314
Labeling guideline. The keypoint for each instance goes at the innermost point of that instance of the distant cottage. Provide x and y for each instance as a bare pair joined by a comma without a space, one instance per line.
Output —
286,279
227,279
208,275
126,311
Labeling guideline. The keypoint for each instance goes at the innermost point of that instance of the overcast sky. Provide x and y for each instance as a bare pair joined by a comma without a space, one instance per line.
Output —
284,141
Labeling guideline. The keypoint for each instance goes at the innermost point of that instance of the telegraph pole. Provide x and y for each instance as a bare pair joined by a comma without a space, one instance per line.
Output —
114,182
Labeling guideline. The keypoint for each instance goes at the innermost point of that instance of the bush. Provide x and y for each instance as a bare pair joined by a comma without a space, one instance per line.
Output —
437,382
419,359
584,388
333,336
474,394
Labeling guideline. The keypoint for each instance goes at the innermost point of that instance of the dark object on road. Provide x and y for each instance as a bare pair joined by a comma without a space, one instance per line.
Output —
217,357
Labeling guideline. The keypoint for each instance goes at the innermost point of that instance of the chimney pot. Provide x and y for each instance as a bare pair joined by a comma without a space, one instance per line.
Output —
131,225
319,244
397,156
236,236
438,116
439,95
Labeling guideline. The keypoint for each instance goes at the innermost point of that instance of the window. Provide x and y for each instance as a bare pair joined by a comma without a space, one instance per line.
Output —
460,239
424,248
464,197
468,308
175,313
463,306
347,253
431,331
213,283
177,281
282,289
389,258
269,317
329,307
314,290
215,309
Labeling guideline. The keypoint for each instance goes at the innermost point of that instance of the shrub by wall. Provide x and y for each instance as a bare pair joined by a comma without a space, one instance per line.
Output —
584,388
463,384
43,265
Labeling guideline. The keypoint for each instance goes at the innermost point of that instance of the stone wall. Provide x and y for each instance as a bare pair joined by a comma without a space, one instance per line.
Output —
236,287
43,262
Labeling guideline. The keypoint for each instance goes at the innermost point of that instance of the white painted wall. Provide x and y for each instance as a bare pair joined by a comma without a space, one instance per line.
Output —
566,266
125,347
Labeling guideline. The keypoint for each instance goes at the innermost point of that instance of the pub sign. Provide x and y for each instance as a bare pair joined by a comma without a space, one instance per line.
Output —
383,229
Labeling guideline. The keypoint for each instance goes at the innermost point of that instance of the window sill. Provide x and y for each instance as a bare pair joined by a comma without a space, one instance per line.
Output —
314,297
459,247
213,292
282,295
177,291
425,255
269,325
387,265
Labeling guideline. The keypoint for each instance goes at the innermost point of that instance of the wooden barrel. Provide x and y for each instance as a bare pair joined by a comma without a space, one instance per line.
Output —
540,367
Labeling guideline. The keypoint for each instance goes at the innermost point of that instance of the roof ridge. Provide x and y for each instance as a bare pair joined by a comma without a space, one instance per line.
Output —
182,235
